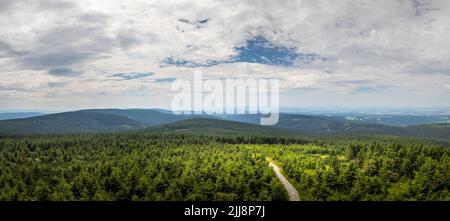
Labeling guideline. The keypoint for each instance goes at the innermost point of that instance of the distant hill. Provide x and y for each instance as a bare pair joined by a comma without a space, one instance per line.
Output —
329,125
427,130
91,120
162,110
308,123
18,115
147,117
222,127
68,122
111,120
395,119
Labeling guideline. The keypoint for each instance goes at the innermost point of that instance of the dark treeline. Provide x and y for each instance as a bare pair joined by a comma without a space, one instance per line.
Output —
175,138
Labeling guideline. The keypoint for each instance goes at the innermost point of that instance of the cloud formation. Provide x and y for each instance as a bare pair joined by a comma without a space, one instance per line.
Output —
65,72
349,52
131,76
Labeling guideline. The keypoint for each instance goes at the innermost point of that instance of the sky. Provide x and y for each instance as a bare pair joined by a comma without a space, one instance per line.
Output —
77,54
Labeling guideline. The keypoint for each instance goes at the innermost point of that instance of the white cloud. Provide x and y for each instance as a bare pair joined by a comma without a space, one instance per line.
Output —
397,47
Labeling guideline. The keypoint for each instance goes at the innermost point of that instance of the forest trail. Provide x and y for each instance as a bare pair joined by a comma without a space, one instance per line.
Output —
292,192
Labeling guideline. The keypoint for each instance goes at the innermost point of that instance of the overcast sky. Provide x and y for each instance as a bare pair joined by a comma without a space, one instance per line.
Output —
62,55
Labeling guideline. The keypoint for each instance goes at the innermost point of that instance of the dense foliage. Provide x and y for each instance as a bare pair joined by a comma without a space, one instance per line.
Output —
178,166
365,171
132,167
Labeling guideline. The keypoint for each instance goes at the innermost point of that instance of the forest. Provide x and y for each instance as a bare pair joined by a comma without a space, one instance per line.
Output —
168,166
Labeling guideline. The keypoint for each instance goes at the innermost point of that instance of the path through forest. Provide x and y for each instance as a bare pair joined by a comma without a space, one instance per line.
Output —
292,192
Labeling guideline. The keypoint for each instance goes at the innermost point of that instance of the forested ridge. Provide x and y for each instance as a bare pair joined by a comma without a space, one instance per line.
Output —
183,166
116,120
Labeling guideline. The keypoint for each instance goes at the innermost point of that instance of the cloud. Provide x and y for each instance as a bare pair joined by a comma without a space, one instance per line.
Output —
14,87
63,72
81,39
164,80
6,5
56,84
132,75
128,38
421,6
55,4
40,61
6,50
197,23
391,48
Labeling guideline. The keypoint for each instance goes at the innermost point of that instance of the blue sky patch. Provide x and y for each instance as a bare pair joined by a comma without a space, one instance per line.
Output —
256,50
260,50
368,89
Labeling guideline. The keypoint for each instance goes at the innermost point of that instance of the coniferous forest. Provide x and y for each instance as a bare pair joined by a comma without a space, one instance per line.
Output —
158,166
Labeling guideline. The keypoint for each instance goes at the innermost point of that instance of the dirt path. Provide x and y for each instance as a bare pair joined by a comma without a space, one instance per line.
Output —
292,192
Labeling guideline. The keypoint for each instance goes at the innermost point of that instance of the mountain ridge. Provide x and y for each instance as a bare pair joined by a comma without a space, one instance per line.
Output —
114,120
